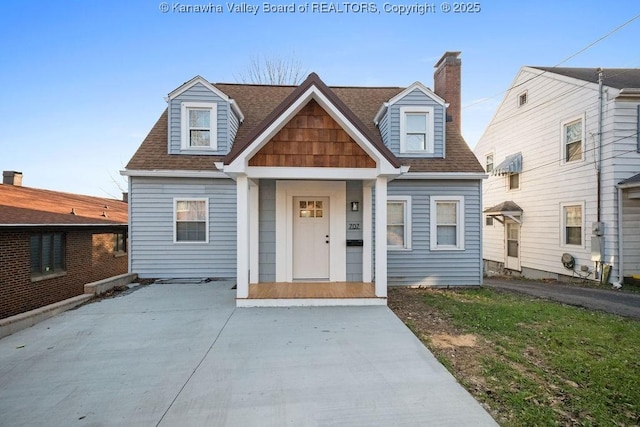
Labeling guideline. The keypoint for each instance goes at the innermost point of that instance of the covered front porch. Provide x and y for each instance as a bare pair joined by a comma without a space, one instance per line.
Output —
308,182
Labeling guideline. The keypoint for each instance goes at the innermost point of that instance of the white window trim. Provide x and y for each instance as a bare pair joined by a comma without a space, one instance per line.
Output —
508,182
563,142
175,219
460,216
563,233
526,94
430,143
492,154
407,222
184,128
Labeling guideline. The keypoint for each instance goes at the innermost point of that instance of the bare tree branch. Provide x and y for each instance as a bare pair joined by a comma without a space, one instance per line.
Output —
273,70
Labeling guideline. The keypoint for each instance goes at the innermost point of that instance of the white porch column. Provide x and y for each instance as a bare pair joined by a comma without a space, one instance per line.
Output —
367,232
254,227
242,233
381,237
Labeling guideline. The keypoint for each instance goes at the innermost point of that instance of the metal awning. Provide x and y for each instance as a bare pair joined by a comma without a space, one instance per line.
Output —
508,209
511,164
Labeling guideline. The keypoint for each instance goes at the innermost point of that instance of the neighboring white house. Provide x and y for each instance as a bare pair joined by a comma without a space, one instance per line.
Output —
563,154
309,194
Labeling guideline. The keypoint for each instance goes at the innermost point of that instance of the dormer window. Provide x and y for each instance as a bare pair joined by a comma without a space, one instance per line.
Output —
199,125
416,130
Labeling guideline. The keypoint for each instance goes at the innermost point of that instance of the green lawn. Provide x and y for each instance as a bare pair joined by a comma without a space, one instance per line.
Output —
545,363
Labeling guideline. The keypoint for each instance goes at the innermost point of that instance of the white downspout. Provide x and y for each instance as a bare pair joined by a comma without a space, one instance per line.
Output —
620,238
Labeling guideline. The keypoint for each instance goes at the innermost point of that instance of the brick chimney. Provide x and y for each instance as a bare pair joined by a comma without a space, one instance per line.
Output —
12,178
446,84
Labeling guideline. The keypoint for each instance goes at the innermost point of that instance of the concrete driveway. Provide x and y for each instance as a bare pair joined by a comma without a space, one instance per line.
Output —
182,354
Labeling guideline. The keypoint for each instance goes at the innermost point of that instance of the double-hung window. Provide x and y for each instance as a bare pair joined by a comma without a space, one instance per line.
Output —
572,223
47,253
573,140
191,220
399,222
416,130
488,161
199,125
447,223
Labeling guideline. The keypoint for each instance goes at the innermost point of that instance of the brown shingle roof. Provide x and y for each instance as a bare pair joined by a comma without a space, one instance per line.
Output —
259,101
618,78
32,206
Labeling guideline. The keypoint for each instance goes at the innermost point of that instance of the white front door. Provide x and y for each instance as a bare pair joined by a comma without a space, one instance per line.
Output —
512,244
311,238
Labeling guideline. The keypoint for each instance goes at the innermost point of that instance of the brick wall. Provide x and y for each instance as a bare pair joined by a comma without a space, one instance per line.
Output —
89,257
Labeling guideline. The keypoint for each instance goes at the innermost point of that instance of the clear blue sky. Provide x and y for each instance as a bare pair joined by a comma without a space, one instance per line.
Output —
83,81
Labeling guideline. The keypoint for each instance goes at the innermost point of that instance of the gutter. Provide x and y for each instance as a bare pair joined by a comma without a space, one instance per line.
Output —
174,173
444,175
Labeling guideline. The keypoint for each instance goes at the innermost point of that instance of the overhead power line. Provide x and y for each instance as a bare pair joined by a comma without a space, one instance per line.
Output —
573,55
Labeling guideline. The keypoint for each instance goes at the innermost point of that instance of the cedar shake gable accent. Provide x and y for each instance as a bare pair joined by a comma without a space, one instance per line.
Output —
31,206
311,81
312,138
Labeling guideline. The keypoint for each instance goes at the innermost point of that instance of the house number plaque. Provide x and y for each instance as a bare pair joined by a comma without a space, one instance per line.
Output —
354,226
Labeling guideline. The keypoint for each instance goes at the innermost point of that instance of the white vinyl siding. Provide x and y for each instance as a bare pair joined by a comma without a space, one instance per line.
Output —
546,181
447,223
398,222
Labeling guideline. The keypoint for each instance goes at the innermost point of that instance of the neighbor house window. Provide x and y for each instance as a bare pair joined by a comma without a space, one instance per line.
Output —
488,221
447,223
488,161
399,222
572,224
573,140
47,253
513,181
191,220
120,242
522,99
199,125
416,130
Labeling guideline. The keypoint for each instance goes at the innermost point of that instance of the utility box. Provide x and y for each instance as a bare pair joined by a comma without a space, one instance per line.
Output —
597,229
597,248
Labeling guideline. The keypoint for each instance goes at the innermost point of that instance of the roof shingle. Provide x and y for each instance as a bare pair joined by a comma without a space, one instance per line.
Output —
31,206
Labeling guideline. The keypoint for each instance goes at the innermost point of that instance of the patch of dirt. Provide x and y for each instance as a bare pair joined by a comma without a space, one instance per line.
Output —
452,341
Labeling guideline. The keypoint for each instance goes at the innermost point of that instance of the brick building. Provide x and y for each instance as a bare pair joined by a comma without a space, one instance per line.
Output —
52,243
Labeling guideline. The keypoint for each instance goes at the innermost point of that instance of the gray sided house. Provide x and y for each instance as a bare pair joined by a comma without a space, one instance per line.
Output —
309,194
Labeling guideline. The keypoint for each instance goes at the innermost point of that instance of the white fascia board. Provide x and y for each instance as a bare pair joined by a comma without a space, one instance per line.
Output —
236,108
197,79
629,185
239,164
381,112
174,173
444,175
417,85
628,94
308,173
